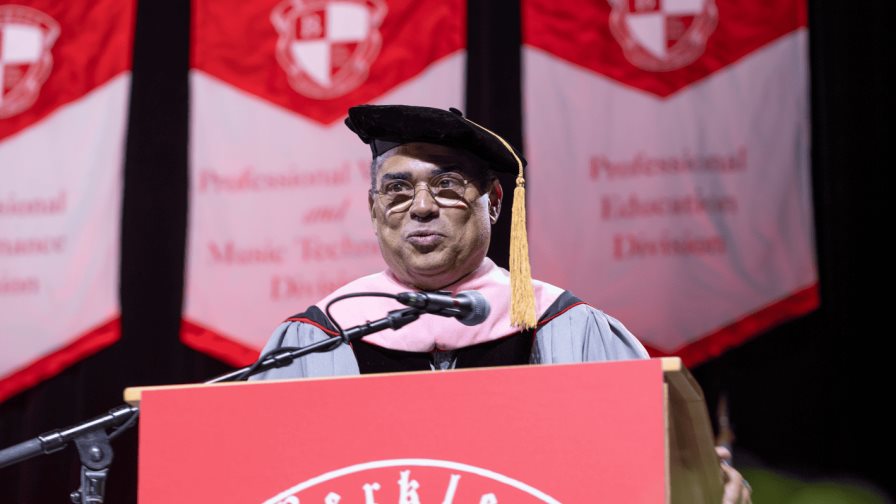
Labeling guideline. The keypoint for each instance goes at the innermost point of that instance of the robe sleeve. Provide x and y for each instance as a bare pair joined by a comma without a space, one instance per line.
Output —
585,334
338,362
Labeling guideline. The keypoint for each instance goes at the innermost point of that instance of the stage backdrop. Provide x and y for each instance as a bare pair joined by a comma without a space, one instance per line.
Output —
278,185
64,84
669,161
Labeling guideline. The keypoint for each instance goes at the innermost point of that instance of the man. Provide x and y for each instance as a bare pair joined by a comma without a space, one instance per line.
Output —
432,202
433,199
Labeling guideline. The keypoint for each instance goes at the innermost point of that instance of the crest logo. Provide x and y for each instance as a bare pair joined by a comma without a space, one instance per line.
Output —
412,481
663,35
26,37
326,47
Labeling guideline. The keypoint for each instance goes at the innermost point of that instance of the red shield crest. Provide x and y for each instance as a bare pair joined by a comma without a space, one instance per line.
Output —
326,47
662,35
26,37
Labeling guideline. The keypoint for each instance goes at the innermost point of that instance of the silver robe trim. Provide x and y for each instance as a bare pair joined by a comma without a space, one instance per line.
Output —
580,334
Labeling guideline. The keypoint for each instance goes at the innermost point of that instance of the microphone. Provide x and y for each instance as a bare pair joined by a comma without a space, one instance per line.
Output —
468,307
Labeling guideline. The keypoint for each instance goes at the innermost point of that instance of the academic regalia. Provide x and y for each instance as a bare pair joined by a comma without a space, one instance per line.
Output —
568,331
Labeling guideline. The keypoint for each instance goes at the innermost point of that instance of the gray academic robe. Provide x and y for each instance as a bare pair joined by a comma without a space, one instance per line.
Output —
579,333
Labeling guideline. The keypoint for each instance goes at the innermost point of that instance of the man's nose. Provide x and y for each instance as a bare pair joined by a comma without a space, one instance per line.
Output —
423,204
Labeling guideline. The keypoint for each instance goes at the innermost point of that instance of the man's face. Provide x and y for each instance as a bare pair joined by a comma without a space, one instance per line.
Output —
429,246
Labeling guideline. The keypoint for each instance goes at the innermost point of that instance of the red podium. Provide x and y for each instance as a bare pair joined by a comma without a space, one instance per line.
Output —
619,432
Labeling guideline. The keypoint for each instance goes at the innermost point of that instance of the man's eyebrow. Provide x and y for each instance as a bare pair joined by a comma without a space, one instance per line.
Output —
435,172
432,173
397,176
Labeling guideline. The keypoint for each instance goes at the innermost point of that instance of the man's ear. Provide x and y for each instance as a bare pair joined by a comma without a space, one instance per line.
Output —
495,195
370,203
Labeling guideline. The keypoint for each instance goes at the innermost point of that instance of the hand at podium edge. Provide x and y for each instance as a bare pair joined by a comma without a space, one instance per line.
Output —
737,490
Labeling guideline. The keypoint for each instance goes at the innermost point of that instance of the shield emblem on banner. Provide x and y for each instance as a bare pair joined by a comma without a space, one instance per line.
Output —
662,35
26,37
326,47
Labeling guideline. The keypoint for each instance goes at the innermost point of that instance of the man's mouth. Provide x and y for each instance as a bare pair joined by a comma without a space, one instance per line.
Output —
425,238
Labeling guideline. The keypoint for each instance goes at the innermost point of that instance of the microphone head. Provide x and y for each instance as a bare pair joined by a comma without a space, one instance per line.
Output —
479,308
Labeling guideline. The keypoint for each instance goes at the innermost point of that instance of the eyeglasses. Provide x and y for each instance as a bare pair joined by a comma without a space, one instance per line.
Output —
447,190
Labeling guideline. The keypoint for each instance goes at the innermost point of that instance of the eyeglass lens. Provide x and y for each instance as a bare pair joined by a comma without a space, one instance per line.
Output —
447,189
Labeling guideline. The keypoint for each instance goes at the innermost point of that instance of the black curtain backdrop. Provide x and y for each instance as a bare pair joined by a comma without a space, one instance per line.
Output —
807,397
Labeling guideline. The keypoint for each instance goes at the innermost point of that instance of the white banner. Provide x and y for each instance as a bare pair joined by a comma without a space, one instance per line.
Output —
669,161
64,83
278,185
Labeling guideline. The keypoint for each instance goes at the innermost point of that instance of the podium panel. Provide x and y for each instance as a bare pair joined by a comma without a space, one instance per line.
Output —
573,433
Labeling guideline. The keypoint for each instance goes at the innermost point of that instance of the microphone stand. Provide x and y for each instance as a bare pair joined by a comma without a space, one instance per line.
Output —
92,440
394,320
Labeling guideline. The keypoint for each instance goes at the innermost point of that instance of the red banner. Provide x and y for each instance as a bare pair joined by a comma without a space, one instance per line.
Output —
278,214
64,82
669,164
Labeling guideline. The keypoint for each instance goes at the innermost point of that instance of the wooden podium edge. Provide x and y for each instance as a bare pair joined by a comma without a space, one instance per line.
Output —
693,473
133,395
671,366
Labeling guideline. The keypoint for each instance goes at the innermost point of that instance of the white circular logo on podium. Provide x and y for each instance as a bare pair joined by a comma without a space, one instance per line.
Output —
412,481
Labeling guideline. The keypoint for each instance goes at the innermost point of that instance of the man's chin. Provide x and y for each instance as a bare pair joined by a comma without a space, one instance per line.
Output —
428,275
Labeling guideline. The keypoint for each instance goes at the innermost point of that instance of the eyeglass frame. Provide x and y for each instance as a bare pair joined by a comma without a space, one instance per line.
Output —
374,192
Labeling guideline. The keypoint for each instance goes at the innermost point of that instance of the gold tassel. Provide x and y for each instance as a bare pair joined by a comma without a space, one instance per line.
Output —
522,296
